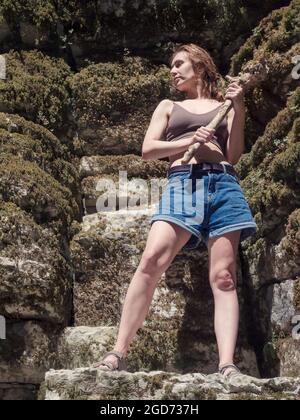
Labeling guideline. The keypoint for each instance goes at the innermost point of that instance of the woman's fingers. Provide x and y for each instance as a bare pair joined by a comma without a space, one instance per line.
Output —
206,130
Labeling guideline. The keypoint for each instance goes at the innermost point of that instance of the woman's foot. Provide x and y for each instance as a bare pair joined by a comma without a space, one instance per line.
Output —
229,369
111,361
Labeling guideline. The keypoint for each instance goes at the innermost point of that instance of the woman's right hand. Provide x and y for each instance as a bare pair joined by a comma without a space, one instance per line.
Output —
203,135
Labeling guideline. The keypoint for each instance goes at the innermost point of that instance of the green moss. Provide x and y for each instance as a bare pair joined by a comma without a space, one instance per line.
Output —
263,397
285,166
277,45
278,130
104,107
38,150
134,165
48,142
296,299
95,260
276,32
291,242
37,88
32,189
272,183
99,90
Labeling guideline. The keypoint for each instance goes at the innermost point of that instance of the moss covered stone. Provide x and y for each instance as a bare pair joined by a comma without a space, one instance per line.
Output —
32,189
33,143
134,165
111,104
35,277
36,88
291,242
29,350
276,38
91,28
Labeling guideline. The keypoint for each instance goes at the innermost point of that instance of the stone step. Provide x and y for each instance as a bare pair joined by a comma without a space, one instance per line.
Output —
94,384
81,347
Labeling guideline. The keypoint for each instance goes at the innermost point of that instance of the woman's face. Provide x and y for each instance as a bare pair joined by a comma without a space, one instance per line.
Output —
182,72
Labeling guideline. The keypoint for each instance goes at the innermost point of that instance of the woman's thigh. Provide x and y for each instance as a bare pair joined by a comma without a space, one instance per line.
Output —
165,240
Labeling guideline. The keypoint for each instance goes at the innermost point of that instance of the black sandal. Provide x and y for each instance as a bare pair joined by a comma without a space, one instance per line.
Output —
111,367
223,368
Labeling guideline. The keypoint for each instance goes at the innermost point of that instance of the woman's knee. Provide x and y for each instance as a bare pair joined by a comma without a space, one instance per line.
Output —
223,280
154,262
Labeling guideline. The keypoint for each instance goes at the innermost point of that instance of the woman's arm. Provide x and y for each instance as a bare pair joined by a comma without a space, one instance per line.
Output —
236,122
163,149
236,141
154,147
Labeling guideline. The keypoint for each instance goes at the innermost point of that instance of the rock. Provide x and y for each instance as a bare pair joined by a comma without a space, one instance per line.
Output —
92,384
19,392
30,349
289,354
84,346
37,87
35,279
133,165
283,309
98,253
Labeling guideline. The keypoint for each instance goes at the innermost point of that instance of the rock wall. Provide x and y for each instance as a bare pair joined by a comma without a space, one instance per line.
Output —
81,85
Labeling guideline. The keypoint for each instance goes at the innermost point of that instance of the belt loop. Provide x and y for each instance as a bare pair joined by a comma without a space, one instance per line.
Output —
191,171
224,168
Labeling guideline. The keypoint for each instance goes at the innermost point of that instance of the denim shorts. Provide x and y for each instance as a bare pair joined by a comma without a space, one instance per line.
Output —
207,203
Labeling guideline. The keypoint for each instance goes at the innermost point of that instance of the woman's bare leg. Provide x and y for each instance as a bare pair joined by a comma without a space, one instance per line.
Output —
164,241
222,262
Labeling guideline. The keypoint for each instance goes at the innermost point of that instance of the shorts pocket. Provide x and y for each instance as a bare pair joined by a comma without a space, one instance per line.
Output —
232,178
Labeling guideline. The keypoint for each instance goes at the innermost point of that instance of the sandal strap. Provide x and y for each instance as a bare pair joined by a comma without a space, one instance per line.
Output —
119,355
222,369
108,364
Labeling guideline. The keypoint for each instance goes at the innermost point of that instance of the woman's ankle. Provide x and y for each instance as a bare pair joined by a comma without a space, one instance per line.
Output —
224,363
121,349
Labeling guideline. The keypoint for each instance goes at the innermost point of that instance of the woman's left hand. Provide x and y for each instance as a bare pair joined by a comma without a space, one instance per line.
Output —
236,93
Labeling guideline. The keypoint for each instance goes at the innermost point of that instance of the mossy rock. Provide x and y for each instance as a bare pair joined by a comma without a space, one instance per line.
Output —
112,105
134,165
33,150
36,88
291,242
35,191
96,261
48,142
35,276
137,24
30,349
271,173
276,39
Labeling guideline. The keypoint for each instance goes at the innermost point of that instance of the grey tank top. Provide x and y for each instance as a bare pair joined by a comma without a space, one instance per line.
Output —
183,123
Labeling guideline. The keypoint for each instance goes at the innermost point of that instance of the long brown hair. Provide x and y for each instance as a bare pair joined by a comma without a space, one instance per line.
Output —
204,68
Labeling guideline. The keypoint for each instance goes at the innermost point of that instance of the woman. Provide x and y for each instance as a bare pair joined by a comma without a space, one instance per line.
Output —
221,216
